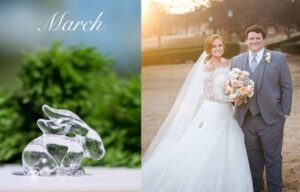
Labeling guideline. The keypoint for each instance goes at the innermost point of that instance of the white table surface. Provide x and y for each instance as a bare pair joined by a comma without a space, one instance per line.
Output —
97,179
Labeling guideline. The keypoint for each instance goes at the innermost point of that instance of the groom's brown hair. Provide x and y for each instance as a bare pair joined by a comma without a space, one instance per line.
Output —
256,29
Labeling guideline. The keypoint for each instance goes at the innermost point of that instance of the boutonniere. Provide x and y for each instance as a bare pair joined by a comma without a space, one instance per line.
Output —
268,57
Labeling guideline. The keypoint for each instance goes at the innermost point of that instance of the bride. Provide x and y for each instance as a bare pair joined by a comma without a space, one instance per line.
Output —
200,147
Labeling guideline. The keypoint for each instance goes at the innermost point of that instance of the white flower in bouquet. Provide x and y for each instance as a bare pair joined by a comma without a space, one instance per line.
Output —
233,96
237,70
245,73
234,75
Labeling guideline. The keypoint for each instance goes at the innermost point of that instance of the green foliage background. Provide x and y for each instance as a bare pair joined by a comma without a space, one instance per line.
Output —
82,80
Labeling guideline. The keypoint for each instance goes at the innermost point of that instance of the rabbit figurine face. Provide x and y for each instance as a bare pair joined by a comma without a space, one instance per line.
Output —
65,142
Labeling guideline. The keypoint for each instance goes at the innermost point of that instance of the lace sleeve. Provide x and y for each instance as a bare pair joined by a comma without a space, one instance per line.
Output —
208,89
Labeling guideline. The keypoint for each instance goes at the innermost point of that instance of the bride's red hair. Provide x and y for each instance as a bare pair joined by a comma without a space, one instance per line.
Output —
209,42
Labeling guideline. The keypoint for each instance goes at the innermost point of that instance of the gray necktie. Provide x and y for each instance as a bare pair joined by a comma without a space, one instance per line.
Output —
253,63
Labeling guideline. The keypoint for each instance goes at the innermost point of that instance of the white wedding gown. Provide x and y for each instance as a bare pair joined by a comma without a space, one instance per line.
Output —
211,156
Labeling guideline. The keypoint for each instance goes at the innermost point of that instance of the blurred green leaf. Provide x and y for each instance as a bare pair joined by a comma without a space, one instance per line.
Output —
82,80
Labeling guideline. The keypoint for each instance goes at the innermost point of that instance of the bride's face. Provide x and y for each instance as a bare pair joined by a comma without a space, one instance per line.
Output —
217,49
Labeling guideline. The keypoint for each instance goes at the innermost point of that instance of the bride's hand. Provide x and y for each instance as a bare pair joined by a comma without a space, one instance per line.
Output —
238,102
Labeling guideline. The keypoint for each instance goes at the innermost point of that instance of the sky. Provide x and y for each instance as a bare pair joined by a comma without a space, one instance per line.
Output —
118,38
174,6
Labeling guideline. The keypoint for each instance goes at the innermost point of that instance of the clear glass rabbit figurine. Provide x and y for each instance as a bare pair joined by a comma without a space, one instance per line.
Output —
66,140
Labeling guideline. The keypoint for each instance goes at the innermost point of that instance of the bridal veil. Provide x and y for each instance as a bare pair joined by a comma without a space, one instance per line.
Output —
187,103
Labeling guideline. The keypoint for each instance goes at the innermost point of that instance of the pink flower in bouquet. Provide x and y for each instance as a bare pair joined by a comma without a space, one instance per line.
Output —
236,83
242,77
250,88
244,91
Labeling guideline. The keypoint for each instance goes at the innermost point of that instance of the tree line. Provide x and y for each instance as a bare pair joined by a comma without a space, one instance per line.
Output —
230,16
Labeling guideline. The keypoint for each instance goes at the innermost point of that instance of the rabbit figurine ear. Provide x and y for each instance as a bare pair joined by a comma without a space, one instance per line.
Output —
53,113
54,126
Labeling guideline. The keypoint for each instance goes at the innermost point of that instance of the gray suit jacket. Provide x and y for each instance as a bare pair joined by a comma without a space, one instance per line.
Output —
274,87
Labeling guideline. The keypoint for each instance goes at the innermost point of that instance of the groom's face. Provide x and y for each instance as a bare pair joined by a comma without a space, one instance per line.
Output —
255,41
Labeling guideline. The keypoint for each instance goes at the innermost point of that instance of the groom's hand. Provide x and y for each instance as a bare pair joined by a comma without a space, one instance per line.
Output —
238,102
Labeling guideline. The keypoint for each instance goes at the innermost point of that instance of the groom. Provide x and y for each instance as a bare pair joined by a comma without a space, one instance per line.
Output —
262,118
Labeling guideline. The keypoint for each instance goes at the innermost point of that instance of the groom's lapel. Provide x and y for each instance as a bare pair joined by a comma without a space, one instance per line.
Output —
245,62
261,71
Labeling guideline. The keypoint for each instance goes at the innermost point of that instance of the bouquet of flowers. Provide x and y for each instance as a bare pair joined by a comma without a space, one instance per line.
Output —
239,85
